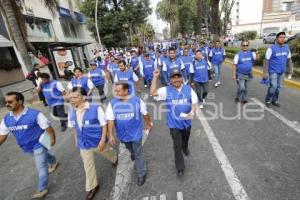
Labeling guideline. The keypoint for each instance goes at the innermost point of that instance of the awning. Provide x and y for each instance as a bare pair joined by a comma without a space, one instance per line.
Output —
5,42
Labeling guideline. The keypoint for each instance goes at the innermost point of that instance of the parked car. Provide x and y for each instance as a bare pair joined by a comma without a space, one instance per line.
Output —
269,38
297,35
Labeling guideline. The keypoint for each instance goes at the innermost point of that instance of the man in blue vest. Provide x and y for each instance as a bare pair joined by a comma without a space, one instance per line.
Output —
217,57
277,59
187,61
242,70
27,125
147,66
124,113
134,63
181,103
54,93
81,81
127,75
89,128
97,76
199,77
172,62
113,67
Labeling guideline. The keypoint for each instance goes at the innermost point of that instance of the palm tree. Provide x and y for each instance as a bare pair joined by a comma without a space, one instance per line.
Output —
15,22
167,11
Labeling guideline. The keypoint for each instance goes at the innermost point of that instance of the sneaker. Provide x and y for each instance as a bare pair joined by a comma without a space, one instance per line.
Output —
203,100
236,100
268,104
39,194
201,106
276,104
216,85
145,86
53,167
219,83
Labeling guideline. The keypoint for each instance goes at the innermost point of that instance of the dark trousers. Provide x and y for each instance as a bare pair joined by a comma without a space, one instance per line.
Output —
201,90
180,141
136,150
100,89
59,111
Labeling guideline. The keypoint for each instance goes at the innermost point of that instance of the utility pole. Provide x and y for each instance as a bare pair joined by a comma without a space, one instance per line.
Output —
96,25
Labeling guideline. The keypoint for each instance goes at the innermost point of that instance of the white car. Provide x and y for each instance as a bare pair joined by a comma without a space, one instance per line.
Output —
269,38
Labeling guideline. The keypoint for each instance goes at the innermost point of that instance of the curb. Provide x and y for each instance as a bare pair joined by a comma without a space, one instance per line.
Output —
259,73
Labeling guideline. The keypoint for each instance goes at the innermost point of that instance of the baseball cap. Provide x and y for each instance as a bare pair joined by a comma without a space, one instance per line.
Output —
175,72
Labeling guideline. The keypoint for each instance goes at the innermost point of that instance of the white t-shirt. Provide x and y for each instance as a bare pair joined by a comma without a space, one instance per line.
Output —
164,67
101,118
162,95
269,54
236,58
42,121
90,85
110,113
134,76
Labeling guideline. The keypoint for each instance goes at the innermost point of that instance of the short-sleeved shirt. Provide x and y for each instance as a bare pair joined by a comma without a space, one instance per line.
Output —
162,95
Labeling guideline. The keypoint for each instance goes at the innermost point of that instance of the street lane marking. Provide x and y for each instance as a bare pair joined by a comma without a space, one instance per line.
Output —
231,177
179,196
153,198
292,124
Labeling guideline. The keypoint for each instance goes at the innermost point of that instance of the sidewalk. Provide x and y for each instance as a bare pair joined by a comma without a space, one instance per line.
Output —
257,71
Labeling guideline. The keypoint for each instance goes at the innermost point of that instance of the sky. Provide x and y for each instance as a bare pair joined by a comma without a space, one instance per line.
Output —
157,24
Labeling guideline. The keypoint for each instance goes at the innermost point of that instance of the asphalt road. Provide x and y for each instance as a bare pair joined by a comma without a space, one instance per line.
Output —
237,158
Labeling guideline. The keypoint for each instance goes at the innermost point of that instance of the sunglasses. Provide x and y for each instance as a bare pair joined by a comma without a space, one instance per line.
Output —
245,45
8,102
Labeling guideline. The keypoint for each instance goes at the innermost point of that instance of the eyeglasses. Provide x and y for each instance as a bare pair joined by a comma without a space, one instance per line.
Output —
245,45
8,102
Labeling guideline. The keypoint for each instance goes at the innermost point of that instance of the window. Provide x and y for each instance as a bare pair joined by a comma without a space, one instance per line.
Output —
287,6
71,29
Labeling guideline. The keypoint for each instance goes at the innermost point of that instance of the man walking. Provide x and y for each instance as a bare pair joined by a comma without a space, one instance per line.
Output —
54,93
97,76
277,58
187,61
124,113
89,129
199,77
181,103
147,66
242,71
27,125
217,57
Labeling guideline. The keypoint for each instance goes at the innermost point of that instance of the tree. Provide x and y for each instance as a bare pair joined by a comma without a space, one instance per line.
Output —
226,10
167,11
146,32
15,22
116,19
215,23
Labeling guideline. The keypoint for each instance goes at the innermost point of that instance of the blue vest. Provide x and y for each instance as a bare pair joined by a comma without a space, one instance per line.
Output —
134,62
52,94
114,68
125,75
148,68
278,60
200,71
217,56
187,61
26,130
245,62
96,76
90,134
176,103
128,119
176,64
101,64
204,52
82,82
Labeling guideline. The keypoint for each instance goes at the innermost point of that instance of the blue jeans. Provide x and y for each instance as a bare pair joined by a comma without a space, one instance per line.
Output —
242,90
42,160
135,148
275,84
217,69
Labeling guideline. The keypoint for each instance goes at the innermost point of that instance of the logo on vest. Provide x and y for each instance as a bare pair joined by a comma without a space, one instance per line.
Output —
246,59
179,101
18,128
125,116
281,54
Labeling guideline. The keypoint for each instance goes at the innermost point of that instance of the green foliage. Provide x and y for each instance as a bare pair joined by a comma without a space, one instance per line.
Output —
248,35
115,21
